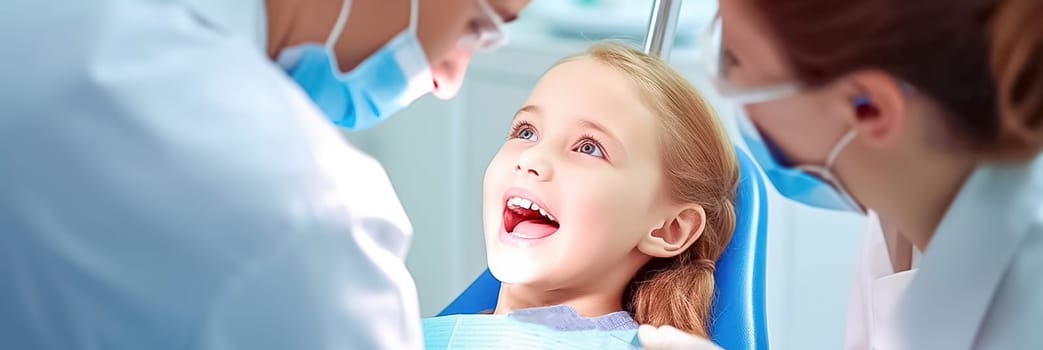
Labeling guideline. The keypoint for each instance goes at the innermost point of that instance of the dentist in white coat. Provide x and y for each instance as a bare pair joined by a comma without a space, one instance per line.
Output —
170,177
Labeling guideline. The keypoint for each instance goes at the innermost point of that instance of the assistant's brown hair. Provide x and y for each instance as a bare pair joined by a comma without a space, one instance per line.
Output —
978,59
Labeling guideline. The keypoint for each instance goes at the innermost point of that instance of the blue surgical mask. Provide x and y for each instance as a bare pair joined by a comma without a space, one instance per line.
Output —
384,83
814,185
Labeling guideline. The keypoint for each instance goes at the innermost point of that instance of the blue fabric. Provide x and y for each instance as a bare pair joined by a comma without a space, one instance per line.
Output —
565,318
464,332
738,316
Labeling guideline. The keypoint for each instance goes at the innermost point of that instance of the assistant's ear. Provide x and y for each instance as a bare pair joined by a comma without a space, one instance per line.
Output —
677,233
878,105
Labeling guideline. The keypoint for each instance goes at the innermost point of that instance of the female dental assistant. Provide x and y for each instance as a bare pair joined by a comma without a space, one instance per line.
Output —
929,113
171,178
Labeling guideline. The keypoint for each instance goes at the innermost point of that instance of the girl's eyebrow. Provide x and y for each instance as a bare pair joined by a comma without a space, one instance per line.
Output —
600,128
611,139
528,108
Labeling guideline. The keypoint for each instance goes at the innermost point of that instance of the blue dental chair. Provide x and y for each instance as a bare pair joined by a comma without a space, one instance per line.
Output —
738,317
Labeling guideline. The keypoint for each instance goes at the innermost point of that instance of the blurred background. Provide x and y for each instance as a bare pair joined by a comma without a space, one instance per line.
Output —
436,153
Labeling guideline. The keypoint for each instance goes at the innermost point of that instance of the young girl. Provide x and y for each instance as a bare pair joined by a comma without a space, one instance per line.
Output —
612,197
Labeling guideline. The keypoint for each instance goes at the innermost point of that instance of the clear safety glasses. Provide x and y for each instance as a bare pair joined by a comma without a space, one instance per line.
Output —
487,32
711,59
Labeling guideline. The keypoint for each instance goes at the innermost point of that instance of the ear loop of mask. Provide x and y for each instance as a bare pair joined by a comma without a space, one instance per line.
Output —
859,102
342,20
414,15
338,27
825,171
841,144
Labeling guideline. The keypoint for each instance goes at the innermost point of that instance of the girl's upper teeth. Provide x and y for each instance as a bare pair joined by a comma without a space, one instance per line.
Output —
518,202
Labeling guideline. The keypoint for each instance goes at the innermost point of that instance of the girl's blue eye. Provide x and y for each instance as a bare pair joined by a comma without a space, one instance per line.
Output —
591,148
526,133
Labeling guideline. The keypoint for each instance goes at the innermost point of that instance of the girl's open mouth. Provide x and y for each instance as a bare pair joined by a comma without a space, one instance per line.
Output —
523,218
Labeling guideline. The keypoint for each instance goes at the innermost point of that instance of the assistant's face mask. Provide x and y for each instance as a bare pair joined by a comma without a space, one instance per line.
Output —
384,83
814,185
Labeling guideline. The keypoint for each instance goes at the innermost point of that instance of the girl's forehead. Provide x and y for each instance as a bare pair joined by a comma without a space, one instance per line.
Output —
589,93
587,89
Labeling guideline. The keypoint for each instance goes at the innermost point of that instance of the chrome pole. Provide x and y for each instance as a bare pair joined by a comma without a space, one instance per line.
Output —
661,27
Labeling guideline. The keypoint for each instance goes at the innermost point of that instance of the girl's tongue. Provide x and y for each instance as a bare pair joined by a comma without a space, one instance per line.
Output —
527,224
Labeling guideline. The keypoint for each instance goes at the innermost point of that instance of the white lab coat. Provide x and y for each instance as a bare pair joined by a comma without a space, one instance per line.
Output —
163,185
875,293
979,284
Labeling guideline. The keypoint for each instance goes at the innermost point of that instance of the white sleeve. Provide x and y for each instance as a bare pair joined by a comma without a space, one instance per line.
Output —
316,291
166,185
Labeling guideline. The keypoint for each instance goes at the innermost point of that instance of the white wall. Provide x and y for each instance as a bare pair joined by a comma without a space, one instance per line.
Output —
436,152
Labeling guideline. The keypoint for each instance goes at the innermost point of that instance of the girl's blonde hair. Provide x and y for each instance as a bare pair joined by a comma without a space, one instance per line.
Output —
700,167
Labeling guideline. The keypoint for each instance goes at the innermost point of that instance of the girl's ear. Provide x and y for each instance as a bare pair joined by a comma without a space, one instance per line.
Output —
677,233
